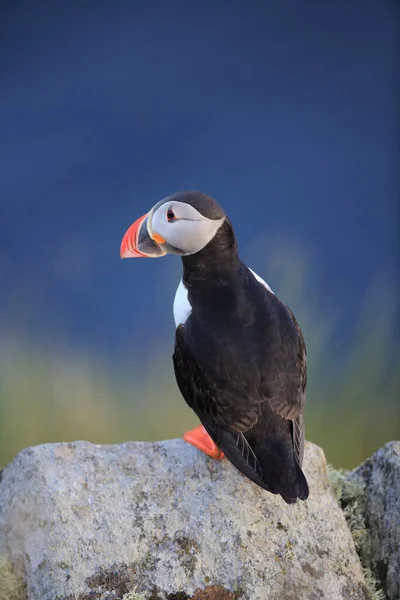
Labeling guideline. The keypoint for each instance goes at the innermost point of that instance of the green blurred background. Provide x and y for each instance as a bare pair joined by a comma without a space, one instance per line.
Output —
52,392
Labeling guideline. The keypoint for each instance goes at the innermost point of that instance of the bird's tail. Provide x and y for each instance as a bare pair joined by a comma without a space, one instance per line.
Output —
282,472
292,491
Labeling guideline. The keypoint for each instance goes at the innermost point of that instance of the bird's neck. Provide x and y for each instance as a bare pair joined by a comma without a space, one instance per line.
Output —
212,276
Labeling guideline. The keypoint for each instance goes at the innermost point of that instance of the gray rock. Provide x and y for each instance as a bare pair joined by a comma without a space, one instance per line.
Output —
93,522
380,508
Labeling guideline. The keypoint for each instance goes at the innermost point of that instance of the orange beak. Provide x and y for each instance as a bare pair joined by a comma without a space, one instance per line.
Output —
137,242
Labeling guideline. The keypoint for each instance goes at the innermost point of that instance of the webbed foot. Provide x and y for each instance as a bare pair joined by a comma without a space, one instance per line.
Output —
199,438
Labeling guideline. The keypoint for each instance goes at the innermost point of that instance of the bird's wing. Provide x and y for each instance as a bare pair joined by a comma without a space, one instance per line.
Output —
285,369
286,377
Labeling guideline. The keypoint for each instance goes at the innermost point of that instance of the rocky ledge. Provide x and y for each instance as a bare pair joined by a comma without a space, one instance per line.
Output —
161,521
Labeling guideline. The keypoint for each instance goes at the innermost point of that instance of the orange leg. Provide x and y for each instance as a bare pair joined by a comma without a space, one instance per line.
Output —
200,439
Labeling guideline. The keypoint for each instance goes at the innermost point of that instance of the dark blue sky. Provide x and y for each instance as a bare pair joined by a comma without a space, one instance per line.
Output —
286,112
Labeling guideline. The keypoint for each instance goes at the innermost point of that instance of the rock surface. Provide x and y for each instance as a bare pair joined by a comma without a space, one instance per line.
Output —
380,507
82,521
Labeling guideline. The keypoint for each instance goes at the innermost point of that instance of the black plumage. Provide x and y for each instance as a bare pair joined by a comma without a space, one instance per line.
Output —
240,363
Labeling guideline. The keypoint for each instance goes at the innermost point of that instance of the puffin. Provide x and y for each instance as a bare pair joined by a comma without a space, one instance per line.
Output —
239,355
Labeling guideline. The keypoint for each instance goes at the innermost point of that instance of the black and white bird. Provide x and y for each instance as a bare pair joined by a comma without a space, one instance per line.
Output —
240,356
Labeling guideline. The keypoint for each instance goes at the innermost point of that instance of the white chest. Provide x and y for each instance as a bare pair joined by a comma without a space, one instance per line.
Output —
181,308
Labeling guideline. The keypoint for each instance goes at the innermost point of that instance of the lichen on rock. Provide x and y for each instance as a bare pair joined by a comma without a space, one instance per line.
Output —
133,595
380,509
350,495
11,586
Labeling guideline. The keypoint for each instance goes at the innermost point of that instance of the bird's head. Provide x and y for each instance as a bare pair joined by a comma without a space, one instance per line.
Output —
182,224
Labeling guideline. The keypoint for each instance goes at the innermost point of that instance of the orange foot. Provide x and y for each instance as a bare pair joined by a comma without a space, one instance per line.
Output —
200,439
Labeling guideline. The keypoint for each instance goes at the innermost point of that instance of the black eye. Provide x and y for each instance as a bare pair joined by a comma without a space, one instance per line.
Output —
170,215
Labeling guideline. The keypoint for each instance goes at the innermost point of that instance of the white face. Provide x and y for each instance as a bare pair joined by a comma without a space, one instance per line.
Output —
182,226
